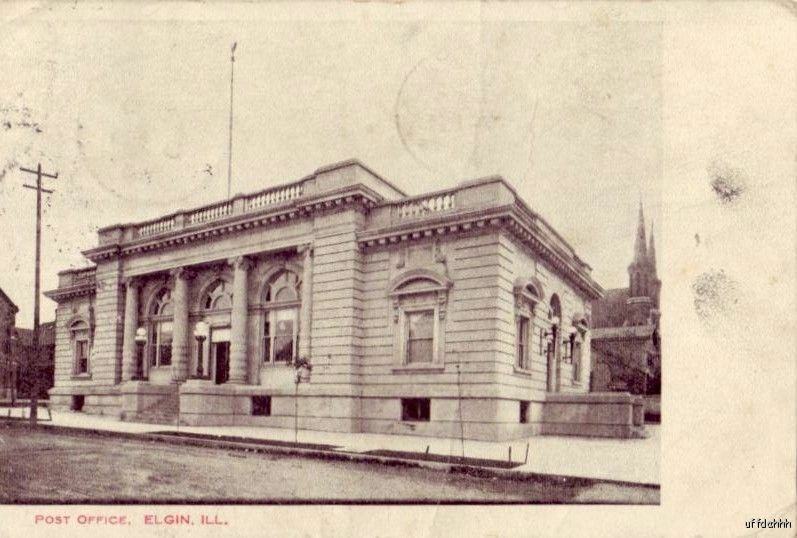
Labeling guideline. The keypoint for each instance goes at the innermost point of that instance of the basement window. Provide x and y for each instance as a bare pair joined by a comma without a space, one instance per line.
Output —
415,409
524,412
261,406
77,402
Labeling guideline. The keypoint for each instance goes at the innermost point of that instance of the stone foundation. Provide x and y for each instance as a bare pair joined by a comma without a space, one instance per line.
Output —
203,403
599,414
95,400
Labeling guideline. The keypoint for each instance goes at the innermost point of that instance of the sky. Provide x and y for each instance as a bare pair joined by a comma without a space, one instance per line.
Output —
133,114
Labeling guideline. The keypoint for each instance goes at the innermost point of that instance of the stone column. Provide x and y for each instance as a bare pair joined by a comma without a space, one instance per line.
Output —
129,350
305,315
180,327
239,319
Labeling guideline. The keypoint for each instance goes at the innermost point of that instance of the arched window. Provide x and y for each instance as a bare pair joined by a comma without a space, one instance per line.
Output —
528,292
419,308
161,304
218,296
281,326
79,336
160,328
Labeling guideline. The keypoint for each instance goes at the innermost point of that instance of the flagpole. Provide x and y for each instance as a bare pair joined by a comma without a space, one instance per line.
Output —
229,145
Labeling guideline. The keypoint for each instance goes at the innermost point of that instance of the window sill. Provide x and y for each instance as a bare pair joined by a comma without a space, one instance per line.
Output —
521,371
421,369
81,376
277,365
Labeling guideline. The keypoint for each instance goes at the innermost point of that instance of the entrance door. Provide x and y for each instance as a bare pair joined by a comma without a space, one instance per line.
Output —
220,355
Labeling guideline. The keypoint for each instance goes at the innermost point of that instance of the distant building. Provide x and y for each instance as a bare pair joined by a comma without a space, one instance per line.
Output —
46,370
16,352
8,314
626,346
458,312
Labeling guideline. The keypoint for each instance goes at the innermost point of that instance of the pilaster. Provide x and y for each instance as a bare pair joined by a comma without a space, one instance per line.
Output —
132,289
180,324
238,319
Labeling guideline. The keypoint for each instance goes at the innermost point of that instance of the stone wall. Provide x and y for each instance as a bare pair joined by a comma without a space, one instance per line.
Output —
593,414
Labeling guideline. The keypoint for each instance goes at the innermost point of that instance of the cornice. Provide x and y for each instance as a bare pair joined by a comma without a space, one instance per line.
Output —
572,270
511,218
360,197
455,222
61,294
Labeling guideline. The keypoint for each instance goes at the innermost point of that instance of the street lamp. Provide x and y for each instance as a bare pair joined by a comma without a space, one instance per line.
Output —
201,332
141,339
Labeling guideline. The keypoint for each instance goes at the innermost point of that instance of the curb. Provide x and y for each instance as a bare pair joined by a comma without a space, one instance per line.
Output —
340,455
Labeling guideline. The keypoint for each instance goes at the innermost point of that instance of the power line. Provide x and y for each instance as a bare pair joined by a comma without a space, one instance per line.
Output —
34,402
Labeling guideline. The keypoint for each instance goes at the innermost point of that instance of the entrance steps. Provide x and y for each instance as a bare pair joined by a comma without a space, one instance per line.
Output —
152,404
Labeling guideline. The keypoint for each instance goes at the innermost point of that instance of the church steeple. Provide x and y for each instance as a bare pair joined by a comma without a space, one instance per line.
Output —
644,285
652,251
640,247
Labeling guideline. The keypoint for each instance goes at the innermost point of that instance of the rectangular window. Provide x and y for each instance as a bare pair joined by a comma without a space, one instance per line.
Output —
283,341
523,342
415,409
160,352
261,406
81,356
524,412
281,335
420,336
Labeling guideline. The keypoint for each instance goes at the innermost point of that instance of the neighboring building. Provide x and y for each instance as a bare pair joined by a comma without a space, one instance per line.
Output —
25,354
626,346
8,316
456,312
16,350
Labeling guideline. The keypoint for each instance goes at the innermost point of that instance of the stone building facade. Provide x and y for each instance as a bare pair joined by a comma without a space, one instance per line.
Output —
626,346
456,312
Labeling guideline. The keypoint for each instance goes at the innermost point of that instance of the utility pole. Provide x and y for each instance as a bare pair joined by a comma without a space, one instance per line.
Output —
229,145
34,361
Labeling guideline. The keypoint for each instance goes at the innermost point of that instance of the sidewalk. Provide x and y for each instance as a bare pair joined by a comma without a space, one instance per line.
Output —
623,460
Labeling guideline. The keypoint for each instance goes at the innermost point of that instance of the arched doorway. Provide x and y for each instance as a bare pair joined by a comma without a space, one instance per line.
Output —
216,305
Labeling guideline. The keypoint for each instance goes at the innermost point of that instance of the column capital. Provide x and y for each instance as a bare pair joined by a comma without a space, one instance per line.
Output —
241,262
133,282
305,248
183,273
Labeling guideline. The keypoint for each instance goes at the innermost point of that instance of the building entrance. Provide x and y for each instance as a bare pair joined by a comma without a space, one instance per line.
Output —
220,355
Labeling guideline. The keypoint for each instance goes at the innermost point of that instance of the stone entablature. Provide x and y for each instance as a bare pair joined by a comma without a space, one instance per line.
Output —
486,202
331,187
